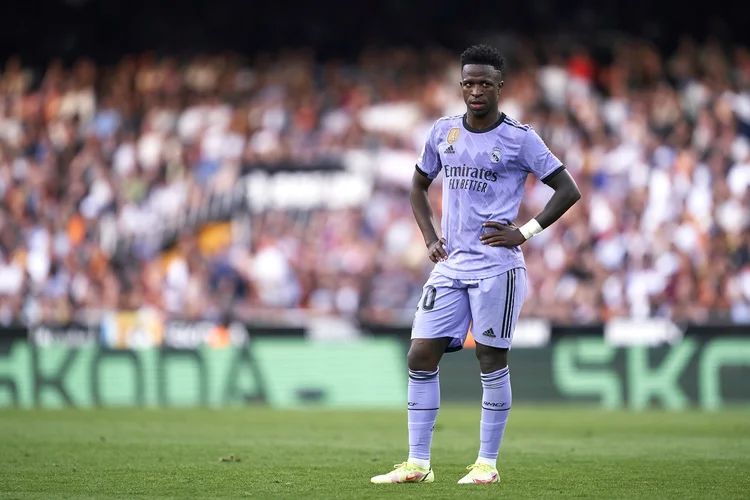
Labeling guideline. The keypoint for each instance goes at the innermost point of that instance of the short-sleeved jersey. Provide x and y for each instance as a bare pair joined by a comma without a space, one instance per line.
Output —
484,176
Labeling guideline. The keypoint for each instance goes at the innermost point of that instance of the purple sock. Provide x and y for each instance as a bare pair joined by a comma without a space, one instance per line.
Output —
424,402
496,402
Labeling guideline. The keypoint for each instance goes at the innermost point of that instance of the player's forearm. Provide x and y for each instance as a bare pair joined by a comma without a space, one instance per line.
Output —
566,195
420,206
561,202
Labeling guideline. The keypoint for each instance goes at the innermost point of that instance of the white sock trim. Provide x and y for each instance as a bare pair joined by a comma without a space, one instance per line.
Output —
425,464
488,461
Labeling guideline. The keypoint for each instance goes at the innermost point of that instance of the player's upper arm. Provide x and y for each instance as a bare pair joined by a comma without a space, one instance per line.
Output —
562,181
536,158
420,181
429,164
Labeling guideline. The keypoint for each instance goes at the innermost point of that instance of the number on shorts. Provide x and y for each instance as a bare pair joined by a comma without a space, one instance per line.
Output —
428,302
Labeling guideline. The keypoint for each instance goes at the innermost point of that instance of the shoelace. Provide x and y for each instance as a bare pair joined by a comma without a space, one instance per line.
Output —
480,467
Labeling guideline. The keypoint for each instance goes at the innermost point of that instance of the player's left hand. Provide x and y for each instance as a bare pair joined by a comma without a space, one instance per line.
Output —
502,236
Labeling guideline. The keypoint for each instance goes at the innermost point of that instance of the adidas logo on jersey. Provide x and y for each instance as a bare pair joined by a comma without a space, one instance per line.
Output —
489,333
449,150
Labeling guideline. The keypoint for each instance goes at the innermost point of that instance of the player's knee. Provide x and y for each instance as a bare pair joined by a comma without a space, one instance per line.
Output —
491,359
423,356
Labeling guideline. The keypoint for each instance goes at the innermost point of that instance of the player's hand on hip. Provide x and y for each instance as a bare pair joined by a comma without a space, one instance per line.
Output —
436,251
504,235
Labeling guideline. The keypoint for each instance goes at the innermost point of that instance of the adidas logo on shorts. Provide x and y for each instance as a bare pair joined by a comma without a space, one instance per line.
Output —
489,333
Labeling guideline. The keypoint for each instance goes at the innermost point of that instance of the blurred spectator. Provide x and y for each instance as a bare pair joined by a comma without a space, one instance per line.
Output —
102,169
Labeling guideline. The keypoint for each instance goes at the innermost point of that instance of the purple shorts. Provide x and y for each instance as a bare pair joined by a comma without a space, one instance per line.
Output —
492,305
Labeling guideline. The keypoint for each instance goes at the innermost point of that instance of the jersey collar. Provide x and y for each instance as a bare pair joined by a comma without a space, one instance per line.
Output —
500,120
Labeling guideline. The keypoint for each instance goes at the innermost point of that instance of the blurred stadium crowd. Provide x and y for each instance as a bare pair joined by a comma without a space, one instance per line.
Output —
91,155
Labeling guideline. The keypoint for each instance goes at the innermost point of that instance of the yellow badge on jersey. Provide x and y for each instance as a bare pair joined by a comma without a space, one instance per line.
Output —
453,135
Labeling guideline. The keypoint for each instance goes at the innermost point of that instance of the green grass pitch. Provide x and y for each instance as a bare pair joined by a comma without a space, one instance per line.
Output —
547,453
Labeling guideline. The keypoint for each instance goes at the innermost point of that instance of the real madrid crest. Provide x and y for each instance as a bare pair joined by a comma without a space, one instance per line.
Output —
453,135
496,155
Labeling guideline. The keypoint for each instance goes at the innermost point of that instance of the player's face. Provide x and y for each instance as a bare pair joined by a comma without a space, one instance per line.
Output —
481,86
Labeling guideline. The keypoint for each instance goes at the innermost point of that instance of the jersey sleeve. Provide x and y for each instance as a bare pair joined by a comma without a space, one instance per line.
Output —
536,158
428,163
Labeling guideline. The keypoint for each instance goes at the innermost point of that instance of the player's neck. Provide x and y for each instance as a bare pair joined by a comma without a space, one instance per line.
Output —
487,122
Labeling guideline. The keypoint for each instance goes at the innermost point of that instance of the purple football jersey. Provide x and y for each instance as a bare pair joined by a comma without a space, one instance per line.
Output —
484,177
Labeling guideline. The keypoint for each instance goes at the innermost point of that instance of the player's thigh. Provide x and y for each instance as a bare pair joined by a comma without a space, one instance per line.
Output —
443,311
495,306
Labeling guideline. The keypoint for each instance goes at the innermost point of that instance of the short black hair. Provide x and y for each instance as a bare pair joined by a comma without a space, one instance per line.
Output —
485,55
